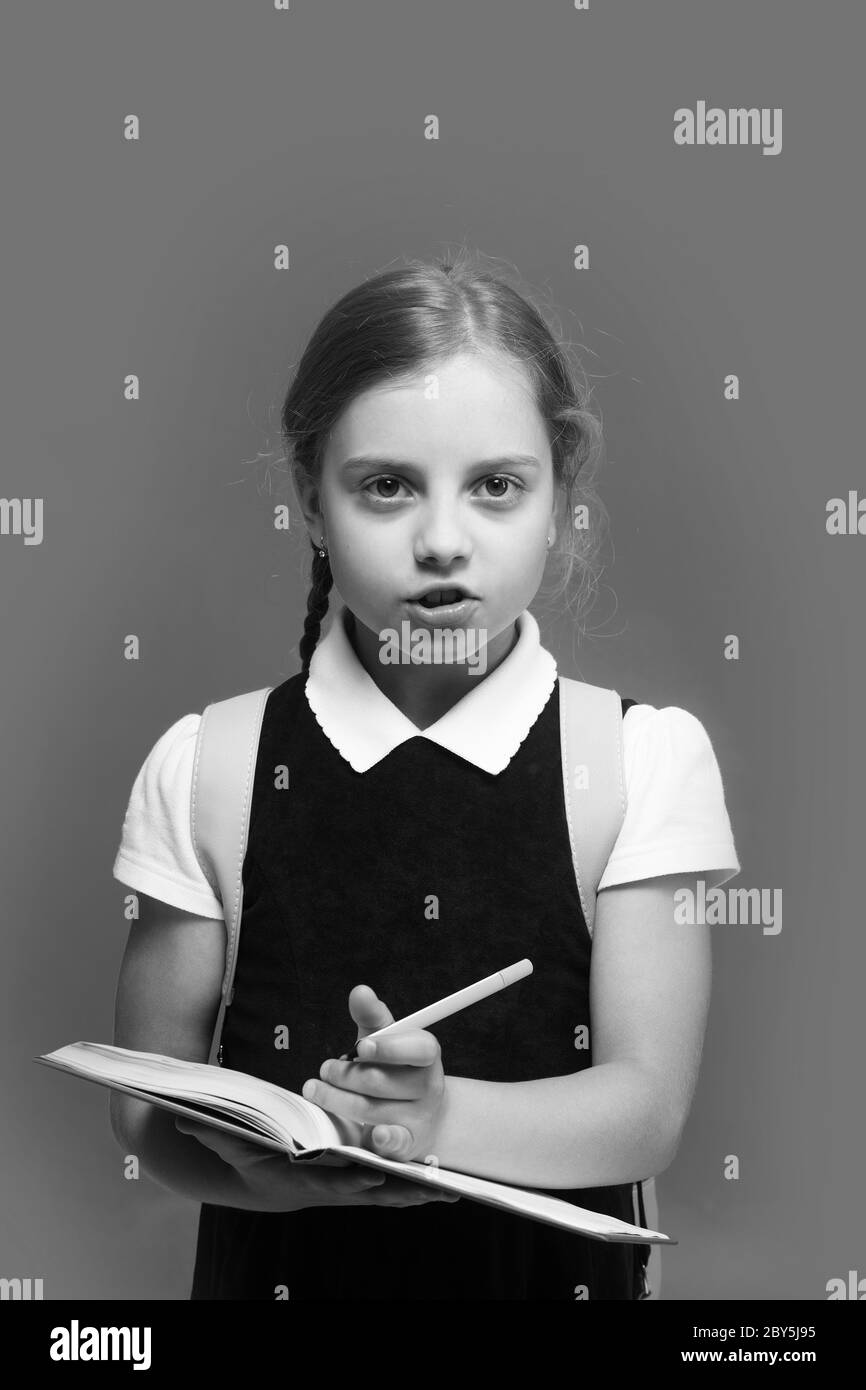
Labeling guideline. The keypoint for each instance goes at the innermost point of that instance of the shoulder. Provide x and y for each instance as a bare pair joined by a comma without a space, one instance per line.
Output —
172,750
668,751
676,818
666,734
156,854
164,779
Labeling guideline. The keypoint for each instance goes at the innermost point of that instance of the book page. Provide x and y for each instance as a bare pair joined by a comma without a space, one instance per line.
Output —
284,1115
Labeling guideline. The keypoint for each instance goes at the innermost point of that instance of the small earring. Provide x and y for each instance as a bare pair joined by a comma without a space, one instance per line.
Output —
322,551
549,541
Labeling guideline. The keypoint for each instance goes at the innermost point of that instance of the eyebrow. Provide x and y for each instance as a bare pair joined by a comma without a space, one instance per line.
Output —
355,465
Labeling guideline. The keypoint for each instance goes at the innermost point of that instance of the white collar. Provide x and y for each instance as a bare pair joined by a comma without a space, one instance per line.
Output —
486,726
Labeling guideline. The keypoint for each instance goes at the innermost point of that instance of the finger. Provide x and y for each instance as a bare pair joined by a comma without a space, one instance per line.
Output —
389,1083
397,1193
415,1048
368,1010
206,1133
345,1184
348,1105
228,1146
384,1189
392,1141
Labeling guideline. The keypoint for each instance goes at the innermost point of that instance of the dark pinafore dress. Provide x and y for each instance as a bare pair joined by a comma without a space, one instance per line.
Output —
338,877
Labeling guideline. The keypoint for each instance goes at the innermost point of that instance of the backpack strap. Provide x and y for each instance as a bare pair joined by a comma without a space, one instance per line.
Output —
222,788
593,781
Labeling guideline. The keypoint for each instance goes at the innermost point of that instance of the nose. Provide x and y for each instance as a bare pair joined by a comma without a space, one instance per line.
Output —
441,537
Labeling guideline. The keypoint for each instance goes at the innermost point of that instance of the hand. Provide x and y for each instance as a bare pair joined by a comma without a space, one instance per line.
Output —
400,1094
270,1181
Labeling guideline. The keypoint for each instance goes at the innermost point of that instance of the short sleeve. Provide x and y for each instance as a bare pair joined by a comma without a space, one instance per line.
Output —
156,854
676,820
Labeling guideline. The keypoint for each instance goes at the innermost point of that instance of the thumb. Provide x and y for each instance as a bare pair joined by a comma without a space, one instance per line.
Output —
231,1148
391,1141
211,1137
368,1010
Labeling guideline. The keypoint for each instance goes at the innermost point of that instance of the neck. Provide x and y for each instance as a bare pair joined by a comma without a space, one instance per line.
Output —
426,692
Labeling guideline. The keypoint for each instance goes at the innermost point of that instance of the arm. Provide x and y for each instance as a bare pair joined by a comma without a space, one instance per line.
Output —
167,1000
619,1120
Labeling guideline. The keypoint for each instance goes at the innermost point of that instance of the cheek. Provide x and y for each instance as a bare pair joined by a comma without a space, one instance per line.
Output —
526,565
357,559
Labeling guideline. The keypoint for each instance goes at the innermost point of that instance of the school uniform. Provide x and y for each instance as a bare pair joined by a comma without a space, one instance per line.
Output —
418,861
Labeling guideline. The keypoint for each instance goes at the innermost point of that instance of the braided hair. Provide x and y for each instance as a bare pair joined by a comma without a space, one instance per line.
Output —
413,318
317,605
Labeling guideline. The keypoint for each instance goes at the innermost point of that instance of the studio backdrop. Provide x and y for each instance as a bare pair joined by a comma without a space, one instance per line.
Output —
188,189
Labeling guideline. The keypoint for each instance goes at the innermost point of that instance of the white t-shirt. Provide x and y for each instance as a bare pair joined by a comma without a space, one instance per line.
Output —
676,820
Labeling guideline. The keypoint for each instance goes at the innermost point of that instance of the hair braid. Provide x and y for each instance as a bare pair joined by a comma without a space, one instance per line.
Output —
317,606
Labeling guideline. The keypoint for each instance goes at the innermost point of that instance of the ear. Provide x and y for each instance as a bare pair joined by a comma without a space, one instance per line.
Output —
307,493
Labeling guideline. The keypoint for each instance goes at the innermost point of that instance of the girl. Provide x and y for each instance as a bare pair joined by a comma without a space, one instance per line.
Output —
437,435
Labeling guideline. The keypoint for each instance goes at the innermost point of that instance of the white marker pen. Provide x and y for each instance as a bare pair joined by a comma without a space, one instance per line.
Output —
451,1004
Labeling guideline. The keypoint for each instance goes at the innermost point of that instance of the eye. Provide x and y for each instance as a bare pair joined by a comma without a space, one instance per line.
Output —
388,480
377,497
500,478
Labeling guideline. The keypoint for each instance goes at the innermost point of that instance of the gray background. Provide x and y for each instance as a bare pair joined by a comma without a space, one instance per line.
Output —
156,258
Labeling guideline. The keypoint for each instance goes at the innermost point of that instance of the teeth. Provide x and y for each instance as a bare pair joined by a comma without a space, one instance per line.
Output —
437,597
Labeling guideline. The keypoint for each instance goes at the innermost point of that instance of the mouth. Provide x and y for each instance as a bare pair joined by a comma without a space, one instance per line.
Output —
441,597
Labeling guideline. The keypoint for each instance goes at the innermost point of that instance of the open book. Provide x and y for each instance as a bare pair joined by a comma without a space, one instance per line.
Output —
269,1115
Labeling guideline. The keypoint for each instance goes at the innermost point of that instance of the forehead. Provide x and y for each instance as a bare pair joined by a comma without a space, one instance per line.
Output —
484,405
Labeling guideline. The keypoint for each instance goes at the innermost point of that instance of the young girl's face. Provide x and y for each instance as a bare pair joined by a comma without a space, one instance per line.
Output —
442,479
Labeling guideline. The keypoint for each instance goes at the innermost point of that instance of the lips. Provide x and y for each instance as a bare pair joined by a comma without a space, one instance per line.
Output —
441,597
